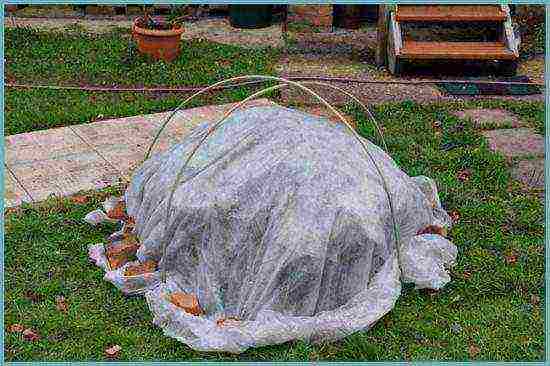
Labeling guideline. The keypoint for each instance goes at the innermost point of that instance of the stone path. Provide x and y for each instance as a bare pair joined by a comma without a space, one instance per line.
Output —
63,161
522,146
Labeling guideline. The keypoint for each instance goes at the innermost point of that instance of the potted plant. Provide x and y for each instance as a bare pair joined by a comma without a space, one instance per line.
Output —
159,36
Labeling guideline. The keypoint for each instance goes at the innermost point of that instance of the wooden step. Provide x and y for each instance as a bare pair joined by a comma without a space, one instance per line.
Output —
456,50
450,13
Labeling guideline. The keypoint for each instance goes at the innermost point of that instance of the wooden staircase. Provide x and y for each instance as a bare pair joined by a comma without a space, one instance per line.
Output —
504,48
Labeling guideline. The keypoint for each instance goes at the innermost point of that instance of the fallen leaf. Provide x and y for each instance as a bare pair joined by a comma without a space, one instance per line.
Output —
57,337
535,299
455,216
473,350
61,304
466,275
11,210
16,328
129,226
113,352
33,296
524,340
511,257
430,291
223,63
227,321
30,335
387,322
464,175
79,199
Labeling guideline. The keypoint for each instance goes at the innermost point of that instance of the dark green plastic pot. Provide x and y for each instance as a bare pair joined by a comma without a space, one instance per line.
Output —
250,16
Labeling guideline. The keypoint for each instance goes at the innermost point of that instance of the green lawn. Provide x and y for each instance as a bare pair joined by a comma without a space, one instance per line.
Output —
488,312
492,309
78,58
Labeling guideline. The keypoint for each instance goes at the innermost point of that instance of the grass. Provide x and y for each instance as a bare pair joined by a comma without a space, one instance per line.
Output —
75,57
488,312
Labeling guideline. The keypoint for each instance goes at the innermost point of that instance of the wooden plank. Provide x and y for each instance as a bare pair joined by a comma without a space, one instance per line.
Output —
449,13
456,50
382,35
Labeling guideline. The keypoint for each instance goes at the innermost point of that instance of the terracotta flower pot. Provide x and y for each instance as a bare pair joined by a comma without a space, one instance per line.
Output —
160,44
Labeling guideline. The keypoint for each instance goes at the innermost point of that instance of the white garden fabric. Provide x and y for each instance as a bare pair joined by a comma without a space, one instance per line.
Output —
282,221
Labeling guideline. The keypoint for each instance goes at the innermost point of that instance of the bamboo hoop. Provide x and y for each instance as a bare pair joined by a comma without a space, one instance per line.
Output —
284,83
261,78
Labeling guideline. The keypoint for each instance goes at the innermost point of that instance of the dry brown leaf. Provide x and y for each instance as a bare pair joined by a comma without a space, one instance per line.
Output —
430,291
61,304
535,299
33,296
16,328
11,210
473,350
79,199
455,216
227,321
466,275
113,352
511,257
464,175
30,335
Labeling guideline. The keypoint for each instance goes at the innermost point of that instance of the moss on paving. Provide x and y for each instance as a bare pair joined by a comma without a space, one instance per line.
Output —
492,309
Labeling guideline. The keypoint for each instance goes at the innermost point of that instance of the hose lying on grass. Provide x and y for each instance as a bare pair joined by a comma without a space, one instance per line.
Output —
254,82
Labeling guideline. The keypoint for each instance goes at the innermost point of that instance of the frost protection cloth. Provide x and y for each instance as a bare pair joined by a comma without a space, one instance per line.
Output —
280,220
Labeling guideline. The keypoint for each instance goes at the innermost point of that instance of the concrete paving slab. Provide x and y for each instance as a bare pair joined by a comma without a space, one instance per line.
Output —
515,142
66,160
26,148
530,173
495,118
65,175
124,141
215,112
119,141
14,194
